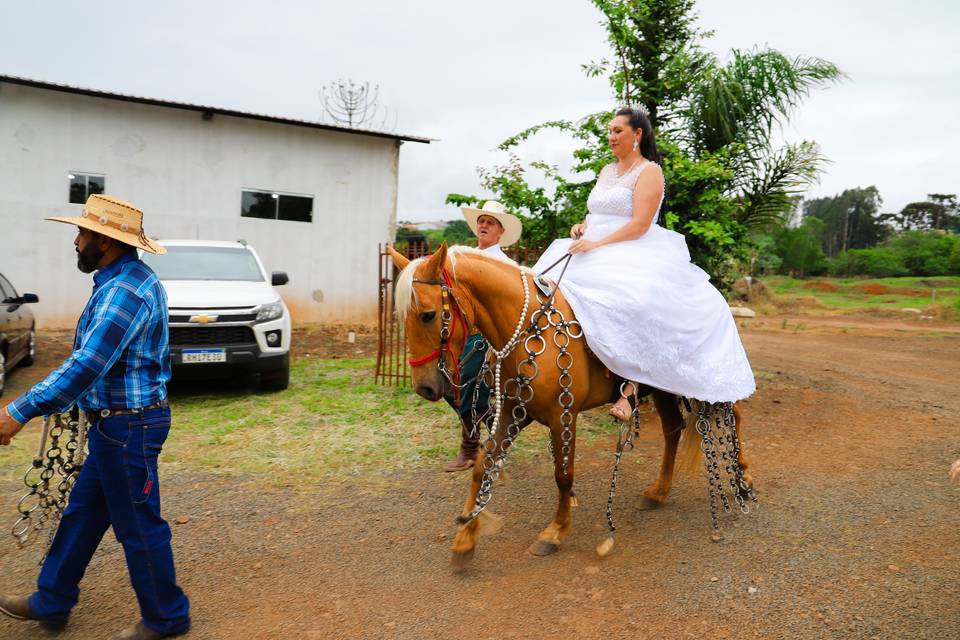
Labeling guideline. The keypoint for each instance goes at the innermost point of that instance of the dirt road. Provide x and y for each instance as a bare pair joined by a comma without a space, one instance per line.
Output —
850,435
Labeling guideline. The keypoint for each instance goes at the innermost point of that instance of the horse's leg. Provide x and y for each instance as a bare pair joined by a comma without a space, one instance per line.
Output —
741,456
671,422
465,542
549,540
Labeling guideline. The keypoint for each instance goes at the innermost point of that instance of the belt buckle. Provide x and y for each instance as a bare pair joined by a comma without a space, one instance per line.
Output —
104,413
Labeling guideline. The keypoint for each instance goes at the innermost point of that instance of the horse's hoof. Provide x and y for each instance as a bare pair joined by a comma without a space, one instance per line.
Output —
462,559
605,547
543,548
647,503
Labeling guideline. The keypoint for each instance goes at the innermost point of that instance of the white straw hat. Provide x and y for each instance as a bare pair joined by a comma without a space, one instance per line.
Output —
512,227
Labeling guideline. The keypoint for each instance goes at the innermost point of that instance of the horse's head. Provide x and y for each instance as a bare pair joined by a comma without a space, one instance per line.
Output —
427,310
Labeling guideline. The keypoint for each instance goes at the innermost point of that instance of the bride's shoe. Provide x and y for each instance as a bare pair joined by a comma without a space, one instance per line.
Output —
622,409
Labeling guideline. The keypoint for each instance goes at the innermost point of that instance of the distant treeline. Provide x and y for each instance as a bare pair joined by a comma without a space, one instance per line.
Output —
846,235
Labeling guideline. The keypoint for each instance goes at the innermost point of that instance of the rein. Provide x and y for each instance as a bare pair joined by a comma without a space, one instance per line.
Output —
448,319
449,315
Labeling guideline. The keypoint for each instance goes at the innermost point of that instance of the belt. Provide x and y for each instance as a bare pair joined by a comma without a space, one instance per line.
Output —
93,414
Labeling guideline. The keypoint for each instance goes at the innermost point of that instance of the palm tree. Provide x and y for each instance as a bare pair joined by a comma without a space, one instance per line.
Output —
740,106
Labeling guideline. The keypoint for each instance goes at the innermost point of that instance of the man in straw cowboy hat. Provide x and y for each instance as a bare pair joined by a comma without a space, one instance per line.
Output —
494,228
117,374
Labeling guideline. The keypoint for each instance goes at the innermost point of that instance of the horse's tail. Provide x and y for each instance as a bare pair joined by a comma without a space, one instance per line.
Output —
689,453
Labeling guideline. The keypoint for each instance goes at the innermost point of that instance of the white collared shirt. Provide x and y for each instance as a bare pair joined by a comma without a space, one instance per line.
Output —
497,251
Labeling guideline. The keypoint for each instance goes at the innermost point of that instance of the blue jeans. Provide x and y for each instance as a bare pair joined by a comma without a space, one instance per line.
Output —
117,486
471,360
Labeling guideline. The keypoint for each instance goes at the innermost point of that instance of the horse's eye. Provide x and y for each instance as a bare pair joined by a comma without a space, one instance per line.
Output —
427,316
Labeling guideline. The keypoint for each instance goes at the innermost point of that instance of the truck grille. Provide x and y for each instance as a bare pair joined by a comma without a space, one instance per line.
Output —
189,336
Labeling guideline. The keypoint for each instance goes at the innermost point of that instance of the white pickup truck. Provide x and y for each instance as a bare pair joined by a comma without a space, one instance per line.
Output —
224,311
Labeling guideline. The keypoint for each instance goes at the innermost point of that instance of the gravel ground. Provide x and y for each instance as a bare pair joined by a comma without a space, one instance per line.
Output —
850,436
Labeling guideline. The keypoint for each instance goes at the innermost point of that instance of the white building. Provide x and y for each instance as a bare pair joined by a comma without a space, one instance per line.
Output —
313,199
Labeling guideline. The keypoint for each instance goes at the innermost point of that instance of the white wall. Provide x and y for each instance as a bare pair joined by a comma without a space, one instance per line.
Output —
187,175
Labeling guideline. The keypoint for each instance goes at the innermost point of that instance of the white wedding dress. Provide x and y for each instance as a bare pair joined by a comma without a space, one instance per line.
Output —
647,312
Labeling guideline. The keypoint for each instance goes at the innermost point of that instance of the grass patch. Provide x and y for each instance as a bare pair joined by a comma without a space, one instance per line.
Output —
332,422
937,297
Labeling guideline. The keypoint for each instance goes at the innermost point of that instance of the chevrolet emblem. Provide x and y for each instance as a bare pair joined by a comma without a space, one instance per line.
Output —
203,319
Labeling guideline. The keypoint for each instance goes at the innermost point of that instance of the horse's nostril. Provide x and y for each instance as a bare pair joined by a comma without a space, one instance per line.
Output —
427,392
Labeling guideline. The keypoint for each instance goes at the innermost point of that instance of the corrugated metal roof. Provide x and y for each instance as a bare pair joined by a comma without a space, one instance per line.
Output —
206,109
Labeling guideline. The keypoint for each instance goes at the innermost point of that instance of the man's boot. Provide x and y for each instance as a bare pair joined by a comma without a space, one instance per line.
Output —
18,608
469,444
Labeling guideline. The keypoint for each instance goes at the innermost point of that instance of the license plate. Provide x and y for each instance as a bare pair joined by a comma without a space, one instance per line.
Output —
203,355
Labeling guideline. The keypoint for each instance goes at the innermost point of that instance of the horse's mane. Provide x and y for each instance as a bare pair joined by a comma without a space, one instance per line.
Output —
405,295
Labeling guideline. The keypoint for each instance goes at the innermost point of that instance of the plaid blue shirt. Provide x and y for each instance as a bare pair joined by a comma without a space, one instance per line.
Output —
121,352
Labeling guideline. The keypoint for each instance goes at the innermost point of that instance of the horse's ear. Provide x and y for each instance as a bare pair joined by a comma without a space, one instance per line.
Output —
401,261
434,265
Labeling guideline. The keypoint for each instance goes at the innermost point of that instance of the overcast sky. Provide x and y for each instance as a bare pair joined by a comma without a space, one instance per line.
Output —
471,74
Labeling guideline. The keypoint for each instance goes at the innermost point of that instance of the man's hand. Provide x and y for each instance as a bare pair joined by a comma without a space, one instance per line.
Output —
9,427
955,472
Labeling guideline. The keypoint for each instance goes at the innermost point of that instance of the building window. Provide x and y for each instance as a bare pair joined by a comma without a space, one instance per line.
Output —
84,185
276,206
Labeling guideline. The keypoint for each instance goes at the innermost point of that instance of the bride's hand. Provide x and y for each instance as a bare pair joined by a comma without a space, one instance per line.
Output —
576,231
582,246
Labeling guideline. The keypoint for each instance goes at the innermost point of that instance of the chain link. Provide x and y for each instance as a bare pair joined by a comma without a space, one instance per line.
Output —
51,477
627,431
519,390
717,427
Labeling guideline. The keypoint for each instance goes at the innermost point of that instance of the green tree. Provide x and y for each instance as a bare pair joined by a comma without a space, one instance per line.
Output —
799,249
655,54
764,255
913,253
876,262
458,232
938,211
850,220
714,122
925,253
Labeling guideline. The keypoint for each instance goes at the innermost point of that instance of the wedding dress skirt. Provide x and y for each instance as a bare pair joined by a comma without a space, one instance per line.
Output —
647,312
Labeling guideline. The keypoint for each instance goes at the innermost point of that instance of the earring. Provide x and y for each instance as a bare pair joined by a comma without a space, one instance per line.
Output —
636,145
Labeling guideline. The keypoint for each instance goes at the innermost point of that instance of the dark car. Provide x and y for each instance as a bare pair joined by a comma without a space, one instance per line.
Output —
18,330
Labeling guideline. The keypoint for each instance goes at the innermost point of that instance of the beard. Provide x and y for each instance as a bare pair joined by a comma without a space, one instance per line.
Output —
88,259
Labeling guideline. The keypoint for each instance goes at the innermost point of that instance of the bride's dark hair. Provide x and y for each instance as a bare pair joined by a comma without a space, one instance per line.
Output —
639,119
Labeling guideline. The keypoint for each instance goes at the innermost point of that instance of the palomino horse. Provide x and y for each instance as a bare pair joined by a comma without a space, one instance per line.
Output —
487,294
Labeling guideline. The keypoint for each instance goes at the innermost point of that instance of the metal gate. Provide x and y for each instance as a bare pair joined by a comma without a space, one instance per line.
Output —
392,367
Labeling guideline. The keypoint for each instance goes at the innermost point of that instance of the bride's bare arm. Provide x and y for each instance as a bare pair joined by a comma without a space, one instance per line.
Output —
646,199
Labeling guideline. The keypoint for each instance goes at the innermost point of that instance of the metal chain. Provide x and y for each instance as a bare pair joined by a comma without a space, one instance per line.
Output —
722,449
51,477
707,445
561,339
738,485
628,430
519,390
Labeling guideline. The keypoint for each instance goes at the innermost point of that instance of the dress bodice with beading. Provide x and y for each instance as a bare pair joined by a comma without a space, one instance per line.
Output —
613,194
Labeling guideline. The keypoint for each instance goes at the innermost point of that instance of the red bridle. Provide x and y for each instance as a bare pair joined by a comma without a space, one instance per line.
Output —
449,316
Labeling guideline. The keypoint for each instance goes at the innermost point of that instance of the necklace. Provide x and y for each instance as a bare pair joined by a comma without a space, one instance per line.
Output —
635,162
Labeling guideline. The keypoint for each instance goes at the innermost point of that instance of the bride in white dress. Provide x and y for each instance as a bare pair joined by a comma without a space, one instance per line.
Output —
647,312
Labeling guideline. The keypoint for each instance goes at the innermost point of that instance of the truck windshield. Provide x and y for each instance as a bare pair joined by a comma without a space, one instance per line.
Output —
205,263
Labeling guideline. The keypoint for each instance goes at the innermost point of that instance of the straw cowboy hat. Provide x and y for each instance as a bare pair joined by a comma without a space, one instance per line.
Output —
512,227
116,219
